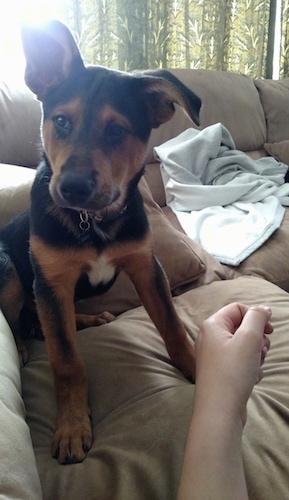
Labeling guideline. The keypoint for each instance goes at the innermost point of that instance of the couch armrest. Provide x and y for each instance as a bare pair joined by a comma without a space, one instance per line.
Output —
18,473
15,183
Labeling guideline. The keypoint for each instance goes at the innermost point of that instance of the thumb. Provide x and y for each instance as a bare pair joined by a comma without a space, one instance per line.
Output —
255,324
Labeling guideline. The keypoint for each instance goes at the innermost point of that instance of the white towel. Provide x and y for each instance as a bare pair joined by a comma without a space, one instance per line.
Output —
227,202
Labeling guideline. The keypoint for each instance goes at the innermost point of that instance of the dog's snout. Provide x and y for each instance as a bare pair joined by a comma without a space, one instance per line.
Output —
76,188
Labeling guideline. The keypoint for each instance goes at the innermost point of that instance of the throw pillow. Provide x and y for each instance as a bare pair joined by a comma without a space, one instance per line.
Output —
280,150
274,96
175,251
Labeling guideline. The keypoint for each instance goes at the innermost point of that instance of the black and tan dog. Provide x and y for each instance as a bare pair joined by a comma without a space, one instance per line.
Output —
87,221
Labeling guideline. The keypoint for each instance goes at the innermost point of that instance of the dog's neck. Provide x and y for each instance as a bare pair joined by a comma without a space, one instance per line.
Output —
92,221
85,215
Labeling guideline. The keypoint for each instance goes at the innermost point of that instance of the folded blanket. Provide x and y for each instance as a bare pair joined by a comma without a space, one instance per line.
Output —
226,201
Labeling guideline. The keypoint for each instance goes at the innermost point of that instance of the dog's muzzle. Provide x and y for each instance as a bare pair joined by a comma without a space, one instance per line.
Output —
76,189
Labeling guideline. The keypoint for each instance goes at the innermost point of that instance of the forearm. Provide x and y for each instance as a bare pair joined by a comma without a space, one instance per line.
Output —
230,349
212,466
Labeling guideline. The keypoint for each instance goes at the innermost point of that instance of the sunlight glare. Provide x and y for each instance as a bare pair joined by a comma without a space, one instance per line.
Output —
13,14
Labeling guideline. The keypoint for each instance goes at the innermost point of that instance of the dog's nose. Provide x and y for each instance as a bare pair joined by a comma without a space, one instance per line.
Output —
76,188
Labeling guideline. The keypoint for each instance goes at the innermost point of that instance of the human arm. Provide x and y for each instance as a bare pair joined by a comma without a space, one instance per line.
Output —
230,350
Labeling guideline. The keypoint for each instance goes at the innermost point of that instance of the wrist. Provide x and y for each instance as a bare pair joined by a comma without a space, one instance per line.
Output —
213,458
220,408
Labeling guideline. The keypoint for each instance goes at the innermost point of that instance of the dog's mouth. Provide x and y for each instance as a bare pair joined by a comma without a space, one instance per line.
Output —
80,193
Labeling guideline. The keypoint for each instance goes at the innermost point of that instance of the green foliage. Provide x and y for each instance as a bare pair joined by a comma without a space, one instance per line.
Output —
284,52
210,34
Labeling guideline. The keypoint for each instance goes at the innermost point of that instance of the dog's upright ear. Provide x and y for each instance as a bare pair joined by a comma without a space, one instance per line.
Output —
162,90
51,55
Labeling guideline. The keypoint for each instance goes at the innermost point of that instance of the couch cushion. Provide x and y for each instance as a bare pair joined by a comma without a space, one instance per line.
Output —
228,98
280,150
271,260
274,95
18,473
141,404
19,124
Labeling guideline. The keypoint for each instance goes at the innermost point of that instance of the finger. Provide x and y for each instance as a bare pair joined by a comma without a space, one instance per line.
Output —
257,318
230,316
262,309
255,323
268,328
265,348
260,376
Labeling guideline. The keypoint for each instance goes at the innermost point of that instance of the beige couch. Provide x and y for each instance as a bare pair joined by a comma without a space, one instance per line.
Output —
141,404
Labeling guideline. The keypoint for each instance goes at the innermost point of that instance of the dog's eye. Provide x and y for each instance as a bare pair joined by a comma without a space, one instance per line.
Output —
115,134
62,125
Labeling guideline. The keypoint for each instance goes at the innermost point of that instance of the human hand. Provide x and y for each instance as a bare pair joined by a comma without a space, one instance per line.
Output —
230,350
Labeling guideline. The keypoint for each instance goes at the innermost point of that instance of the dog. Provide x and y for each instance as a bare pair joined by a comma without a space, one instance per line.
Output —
86,222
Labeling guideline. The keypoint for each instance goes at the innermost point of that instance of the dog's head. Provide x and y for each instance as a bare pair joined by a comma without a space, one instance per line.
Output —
96,122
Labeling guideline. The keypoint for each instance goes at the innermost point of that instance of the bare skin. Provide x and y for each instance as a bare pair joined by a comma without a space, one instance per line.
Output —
230,350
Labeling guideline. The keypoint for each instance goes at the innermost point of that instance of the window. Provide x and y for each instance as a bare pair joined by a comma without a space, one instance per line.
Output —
129,34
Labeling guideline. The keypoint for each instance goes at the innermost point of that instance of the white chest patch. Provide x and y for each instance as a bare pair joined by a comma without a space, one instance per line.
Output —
100,271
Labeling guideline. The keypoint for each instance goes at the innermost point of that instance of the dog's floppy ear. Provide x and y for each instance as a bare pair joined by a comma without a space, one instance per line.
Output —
51,54
161,90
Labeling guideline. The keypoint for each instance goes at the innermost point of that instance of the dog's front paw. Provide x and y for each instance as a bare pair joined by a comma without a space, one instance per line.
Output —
105,317
87,320
72,441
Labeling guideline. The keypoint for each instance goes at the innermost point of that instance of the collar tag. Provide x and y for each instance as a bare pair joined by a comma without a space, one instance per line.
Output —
84,225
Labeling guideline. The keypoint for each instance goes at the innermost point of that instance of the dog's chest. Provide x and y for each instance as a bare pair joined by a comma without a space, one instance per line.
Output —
100,271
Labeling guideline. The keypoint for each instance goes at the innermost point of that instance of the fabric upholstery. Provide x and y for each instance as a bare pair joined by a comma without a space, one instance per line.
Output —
280,150
15,185
274,96
271,261
18,473
227,98
141,404
19,142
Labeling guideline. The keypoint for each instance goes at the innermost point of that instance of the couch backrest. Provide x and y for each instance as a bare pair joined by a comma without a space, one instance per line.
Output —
229,98
254,111
274,96
19,126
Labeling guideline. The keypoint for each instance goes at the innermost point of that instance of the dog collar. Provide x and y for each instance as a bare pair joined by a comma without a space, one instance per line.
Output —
91,220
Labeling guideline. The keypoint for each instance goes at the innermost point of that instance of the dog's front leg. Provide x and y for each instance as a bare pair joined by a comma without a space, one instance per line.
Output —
153,288
54,293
